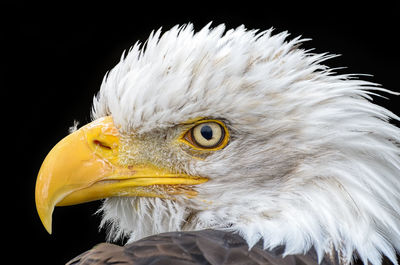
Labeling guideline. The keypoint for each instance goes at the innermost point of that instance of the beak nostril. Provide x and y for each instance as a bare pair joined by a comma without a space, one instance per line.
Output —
101,144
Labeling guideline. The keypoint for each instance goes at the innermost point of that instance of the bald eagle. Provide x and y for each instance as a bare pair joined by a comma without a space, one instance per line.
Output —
240,132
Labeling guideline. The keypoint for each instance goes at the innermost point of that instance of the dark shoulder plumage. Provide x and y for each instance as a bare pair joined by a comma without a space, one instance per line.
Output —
189,248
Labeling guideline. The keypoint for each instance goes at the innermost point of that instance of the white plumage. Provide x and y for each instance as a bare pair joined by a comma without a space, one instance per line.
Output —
311,160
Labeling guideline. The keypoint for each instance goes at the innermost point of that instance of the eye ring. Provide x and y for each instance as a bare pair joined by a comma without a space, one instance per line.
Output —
208,135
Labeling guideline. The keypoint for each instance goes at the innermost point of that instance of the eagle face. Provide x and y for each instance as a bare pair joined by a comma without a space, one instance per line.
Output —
235,130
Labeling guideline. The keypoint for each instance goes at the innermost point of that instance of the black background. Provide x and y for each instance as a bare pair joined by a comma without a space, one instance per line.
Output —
56,55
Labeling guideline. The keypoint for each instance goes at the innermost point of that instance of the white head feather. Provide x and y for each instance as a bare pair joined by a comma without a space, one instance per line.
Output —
311,161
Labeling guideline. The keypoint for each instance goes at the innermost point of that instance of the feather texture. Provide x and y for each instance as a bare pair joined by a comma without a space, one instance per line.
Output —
311,162
200,247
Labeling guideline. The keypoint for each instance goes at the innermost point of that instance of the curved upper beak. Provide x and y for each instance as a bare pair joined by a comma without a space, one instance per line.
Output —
85,166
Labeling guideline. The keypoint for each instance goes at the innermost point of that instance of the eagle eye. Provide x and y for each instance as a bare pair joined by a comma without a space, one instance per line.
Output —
207,135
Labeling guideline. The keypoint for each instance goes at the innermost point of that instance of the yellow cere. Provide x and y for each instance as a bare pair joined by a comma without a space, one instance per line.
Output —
85,166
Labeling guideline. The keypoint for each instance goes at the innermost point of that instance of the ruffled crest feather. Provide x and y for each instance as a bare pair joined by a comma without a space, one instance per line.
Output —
312,161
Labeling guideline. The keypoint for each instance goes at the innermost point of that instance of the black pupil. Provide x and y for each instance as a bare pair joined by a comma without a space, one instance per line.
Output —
206,132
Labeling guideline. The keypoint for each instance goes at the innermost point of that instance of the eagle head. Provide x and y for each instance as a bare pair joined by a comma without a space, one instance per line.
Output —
235,130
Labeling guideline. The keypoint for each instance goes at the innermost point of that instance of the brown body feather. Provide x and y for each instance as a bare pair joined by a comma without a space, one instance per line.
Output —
190,248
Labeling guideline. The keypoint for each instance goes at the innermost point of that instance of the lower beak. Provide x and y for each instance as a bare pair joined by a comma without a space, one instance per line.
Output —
84,166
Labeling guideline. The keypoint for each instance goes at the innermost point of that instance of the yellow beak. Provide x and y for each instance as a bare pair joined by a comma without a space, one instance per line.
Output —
84,166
